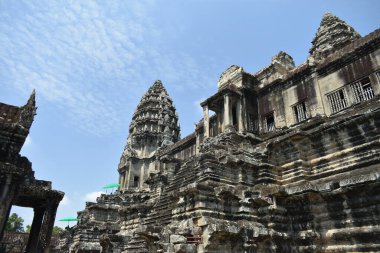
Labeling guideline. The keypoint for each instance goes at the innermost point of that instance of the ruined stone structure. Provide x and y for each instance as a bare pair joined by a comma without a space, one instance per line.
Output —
18,186
288,162
16,242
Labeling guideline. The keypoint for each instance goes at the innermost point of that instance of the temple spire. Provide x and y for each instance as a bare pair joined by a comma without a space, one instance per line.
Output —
333,34
154,125
154,113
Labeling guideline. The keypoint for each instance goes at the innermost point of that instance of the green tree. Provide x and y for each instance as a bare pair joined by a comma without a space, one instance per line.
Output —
57,230
15,223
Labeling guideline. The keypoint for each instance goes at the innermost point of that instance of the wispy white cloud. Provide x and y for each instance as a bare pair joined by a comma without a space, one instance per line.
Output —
92,196
88,60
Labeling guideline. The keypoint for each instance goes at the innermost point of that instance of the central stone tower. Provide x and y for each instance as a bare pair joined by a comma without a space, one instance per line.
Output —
154,124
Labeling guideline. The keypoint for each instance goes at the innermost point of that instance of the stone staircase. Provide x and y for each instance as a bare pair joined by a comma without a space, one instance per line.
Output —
162,211
136,245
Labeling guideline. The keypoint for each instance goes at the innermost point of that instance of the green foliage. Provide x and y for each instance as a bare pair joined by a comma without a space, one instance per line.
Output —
15,223
57,230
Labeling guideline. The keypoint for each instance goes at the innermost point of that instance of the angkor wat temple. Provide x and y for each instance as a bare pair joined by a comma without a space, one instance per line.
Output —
283,160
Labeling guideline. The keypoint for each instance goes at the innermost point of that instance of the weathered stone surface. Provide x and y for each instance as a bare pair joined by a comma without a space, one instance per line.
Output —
288,163
333,34
177,239
18,186
185,248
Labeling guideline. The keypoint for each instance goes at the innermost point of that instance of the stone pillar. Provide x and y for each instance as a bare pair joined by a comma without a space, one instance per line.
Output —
227,112
206,121
141,178
319,108
128,179
47,226
35,230
125,183
375,82
350,97
240,115
6,197
121,181
219,122
197,142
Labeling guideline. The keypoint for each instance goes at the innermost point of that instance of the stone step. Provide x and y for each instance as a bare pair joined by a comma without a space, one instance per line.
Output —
161,213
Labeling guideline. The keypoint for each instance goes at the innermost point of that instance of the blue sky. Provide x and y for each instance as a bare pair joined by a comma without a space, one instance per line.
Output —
91,61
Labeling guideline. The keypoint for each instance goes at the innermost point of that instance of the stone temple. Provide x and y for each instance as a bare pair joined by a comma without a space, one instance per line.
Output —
18,185
284,160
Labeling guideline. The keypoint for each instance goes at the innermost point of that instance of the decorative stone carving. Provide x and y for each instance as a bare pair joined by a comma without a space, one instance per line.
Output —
284,60
228,75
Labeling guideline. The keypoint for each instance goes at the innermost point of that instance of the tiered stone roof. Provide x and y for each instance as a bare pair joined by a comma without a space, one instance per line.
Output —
154,122
333,34
15,124
155,114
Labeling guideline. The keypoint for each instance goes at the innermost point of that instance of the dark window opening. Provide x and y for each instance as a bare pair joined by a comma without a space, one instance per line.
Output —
252,123
213,126
201,135
362,90
337,100
136,181
300,112
234,117
269,122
